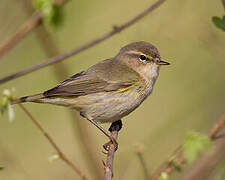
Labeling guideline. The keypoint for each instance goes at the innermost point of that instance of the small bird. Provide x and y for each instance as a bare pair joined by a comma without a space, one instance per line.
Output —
110,89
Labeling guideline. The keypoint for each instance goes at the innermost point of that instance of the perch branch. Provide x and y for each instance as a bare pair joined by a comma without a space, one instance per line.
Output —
103,37
110,157
112,147
168,168
51,141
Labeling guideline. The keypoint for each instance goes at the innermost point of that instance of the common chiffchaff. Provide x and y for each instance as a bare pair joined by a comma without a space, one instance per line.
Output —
110,89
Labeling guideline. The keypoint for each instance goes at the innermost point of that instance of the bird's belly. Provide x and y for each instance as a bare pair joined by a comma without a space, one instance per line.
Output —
109,107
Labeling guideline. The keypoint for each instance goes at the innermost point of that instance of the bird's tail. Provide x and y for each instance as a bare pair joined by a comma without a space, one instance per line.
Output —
32,98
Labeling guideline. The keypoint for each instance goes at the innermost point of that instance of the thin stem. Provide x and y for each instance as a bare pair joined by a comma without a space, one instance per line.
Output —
112,146
27,27
103,37
179,157
53,144
217,127
143,164
110,157
33,22
223,2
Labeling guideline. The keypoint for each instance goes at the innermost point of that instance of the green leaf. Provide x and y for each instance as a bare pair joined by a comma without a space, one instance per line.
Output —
219,22
1,168
195,143
52,13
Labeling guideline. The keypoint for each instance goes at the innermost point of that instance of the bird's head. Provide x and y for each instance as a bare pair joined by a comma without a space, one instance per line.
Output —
142,57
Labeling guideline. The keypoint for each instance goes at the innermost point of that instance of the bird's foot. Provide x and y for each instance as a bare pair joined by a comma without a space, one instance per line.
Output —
115,126
106,146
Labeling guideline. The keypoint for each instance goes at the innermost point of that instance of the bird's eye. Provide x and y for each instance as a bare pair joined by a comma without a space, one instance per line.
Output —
142,57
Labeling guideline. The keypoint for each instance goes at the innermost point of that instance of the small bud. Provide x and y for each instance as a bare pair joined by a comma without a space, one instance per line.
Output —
8,96
164,176
53,157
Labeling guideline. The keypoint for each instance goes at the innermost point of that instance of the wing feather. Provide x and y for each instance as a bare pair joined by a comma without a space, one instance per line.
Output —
93,80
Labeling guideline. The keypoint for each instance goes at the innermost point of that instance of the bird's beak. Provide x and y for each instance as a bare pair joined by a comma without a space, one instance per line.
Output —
161,62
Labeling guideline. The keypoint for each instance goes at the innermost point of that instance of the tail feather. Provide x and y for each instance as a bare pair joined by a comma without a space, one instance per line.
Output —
32,98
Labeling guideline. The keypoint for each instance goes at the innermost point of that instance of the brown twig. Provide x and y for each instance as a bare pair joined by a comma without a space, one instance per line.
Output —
51,141
217,127
110,157
34,21
168,168
27,27
103,37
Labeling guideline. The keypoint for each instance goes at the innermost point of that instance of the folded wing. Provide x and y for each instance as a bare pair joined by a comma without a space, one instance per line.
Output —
95,79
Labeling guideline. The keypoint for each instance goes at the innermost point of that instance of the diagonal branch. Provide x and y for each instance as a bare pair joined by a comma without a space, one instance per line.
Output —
103,37
27,27
34,21
51,141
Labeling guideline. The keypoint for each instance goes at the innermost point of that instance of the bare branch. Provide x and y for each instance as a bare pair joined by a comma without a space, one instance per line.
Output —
33,22
51,141
217,127
179,157
103,37
27,27
110,157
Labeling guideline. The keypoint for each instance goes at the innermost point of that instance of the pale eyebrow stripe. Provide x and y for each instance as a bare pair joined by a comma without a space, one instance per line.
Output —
139,53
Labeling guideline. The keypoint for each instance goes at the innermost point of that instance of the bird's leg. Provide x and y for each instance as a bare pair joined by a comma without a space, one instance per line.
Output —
115,126
100,128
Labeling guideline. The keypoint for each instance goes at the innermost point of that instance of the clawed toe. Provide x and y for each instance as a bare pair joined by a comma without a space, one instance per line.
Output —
112,141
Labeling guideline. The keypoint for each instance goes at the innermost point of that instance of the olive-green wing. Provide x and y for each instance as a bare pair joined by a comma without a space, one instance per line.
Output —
95,79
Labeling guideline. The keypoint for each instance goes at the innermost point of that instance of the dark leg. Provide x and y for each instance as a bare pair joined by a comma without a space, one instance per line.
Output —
115,126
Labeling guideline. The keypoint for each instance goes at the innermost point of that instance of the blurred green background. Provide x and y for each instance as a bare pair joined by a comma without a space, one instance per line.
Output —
189,94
